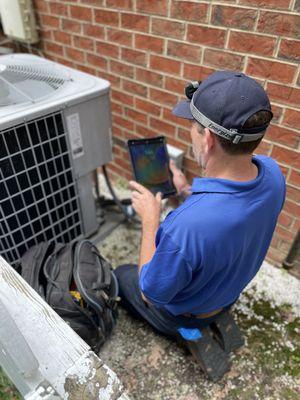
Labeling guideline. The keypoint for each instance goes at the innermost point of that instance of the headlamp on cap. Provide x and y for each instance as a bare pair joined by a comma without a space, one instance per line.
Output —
223,102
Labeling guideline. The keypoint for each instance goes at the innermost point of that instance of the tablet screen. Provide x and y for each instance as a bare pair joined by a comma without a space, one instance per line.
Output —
151,164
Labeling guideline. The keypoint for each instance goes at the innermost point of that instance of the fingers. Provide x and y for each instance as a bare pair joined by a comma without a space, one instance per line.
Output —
172,166
136,195
138,187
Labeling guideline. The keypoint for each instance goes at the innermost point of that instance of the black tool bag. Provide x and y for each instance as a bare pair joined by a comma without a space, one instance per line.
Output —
80,287
31,266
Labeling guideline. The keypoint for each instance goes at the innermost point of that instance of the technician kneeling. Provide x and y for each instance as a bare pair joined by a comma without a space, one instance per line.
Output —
197,262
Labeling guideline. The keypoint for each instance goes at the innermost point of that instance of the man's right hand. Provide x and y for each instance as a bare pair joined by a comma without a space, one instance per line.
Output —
180,182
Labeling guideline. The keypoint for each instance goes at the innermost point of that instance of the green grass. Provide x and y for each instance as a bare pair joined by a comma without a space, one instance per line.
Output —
7,389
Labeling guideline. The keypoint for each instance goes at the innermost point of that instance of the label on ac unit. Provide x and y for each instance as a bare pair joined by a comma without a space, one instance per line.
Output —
74,130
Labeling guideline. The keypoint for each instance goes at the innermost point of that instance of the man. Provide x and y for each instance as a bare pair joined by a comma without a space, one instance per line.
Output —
195,264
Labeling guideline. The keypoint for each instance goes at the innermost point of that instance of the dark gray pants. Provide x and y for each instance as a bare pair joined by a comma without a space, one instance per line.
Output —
158,317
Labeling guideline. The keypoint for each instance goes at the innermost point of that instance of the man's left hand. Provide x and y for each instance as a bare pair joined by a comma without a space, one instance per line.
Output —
146,205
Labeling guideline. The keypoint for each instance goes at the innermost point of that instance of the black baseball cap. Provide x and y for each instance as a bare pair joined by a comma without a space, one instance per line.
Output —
223,102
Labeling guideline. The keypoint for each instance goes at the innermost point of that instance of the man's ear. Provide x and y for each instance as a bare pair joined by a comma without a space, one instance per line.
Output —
210,139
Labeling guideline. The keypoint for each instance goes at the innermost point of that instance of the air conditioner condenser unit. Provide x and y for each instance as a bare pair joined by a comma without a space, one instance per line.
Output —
55,130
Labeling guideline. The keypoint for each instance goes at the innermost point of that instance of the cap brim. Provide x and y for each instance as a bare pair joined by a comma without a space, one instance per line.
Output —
183,110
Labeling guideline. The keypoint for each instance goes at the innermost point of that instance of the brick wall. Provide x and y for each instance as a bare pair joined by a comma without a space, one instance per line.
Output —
149,49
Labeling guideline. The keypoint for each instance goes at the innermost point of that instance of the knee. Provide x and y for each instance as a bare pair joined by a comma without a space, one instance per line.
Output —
124,271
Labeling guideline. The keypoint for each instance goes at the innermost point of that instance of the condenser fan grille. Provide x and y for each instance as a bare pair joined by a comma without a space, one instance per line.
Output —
38,194
21,82
17,73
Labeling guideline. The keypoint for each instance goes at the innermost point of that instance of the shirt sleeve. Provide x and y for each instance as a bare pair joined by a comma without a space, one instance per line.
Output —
166,274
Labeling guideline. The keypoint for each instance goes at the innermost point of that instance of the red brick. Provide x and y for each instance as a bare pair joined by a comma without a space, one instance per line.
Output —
293,193
284,94
184,134
272,70
284,170
206,35
58,9
41,6
288,157
279,24
149,77
120,37
47,35
196,72
185,10
123,122
168,116
119,171
277,112
267,3
223,59
83,43
49,20
289,49
152,7
98,3
60,60
62,37
88,70
234,17
283,135
294,178
135,88
164,64
122,98
121,4
284,234
116,107
75,55
263,148
147,107
162,127
251,43
114,80
151,43
143,132
292,208
292,118
97,61
184,51
107,49
122,69
135,22
105,17
162,97
175,85
122,162
54,48
134,57
82,13
275,257
71,26
176,143
136,116
168,28
94,31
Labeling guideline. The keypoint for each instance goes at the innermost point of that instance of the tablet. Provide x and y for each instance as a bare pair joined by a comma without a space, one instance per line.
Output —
150,164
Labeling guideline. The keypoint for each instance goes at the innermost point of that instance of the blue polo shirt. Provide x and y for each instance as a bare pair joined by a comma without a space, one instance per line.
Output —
210,248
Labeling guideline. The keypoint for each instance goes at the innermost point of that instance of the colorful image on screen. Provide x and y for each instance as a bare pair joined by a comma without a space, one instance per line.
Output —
151,167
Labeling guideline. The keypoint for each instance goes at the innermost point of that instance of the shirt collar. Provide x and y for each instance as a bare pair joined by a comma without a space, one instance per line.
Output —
216,185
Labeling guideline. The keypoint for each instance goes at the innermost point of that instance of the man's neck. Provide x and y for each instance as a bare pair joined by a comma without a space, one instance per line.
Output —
234,168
